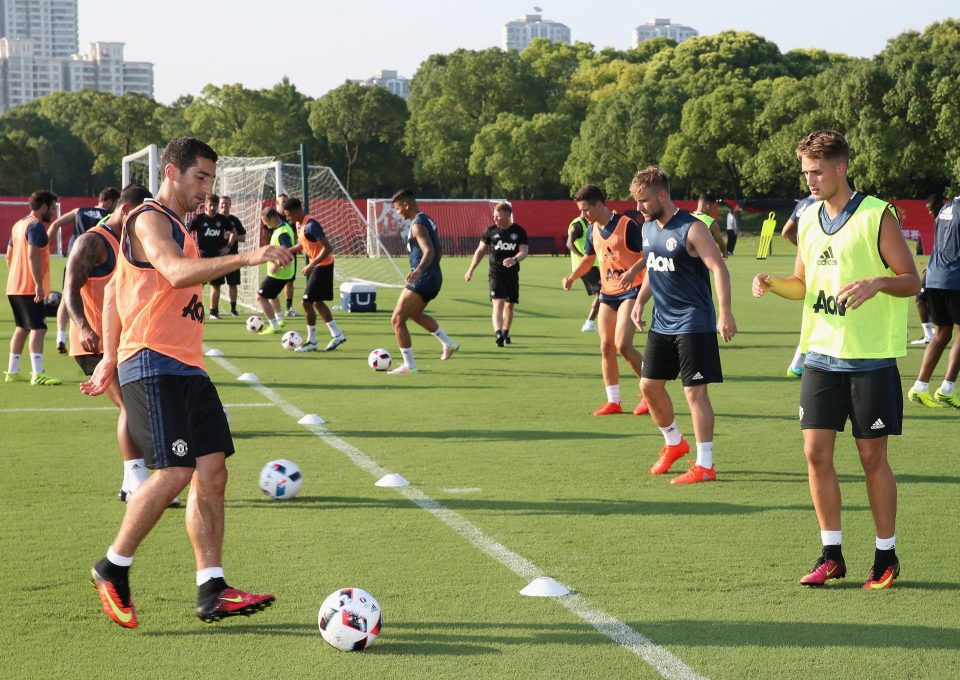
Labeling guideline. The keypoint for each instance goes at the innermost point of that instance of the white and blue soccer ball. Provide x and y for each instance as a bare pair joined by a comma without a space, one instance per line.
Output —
380,360
254,324
350,619
291,340
281,479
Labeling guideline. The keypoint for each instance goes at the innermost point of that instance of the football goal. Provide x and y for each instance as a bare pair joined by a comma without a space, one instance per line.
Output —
460,222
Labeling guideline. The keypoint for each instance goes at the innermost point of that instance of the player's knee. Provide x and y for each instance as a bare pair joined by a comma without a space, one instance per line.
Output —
943,334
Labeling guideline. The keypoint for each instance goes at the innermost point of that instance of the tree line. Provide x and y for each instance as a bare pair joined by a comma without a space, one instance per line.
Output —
721,113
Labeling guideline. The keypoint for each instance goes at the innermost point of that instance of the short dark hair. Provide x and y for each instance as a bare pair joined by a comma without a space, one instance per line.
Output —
826,144
109,194
212,198
591,194
708,198
292,203
226,198
403,195
134,194
270,213
40,198
504,208
935,202
183,152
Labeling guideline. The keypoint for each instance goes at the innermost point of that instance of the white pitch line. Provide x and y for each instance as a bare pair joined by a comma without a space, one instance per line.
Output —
109,408
660,659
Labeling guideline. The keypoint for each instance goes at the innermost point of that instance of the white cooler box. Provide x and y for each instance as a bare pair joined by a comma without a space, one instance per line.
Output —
358,297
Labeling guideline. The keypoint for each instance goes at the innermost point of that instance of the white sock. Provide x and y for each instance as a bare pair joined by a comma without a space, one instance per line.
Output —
275,322
118,560
927,331
921,386
705,454
36,362
671,434
831,537
204,575
946,387
613,393
798,358
13,365
334,329
886,543
407,353
311,333
442,336
134,474
61,337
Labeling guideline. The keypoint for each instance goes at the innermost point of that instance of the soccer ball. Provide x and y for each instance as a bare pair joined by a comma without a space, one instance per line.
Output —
380,360
350,619
254,324
291,340
281,479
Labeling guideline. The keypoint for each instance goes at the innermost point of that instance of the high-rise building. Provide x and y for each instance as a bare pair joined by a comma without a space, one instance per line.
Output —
661,28
389,80
516,35
39,55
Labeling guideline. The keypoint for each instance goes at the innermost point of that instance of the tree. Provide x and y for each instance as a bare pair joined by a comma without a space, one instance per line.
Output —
60,160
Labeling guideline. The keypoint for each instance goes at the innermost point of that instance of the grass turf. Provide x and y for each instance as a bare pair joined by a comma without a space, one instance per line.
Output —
505,438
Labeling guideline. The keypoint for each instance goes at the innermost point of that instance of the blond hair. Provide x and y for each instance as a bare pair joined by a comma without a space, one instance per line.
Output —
652,177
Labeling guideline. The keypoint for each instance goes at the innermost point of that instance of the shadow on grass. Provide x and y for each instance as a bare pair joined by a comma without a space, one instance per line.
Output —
801,476
484,435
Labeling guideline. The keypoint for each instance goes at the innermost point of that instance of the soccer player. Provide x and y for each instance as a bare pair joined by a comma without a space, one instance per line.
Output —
237,236
853,273
281,235
506,243
423,283
733,227
706,212
682,340
212,231
618,242
81,219
281,203
90,267
576,241
934,204
789,232
942,288
28,282
319,272
153,337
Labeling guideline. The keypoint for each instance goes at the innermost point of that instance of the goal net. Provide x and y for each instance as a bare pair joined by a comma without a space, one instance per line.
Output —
460,222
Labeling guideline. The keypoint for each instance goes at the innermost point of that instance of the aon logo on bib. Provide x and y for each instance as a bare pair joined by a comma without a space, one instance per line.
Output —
657,263
827,304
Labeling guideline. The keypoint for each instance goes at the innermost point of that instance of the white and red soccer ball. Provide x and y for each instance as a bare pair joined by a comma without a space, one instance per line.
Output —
254,324
350,619
291,340
380,360
281,479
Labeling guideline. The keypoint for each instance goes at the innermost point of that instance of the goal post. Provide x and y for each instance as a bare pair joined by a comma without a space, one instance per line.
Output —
461,223
142,167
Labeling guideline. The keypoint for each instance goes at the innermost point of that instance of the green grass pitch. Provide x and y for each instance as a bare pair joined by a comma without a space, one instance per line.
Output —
505,439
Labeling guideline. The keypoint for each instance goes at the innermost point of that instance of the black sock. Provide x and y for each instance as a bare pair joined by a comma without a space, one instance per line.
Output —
883,559
500,334
506,333
289,303
233,307
118,576
211,589
832,552
215,311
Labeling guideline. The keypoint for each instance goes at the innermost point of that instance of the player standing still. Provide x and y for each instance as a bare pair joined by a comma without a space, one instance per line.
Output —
853,273
238,236
506,243
212,232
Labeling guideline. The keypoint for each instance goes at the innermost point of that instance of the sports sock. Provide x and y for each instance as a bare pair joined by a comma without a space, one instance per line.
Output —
334,329
705,454
506,332
407,353
671,434
290,303
61,337
117,574
798,359
886,543
215,311
927,331
311,333
233,307
275,322
883,559
946,387
831,537
118,560
613,393
13,365
204,575
442,336
36,362
921,386
210,589
499,333
134,474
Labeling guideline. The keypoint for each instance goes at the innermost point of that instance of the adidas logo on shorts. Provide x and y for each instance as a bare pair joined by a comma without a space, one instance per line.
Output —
878,425
697,376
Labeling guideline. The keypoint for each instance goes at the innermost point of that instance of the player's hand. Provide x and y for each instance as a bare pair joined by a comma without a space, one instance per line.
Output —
636,315
224,251
726,326
761,284
276,255
89,340
567,282
101,378
308,270
855,294
468,275
41,294
413,276
510,262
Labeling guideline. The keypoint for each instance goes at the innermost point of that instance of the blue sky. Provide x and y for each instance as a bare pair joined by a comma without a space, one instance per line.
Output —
318,43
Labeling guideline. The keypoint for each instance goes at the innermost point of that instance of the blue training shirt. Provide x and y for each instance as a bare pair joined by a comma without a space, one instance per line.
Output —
683,302
432,277
944,268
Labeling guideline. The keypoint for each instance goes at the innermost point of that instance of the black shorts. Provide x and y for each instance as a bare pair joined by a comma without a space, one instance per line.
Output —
873,400
270,287
591,281
922,295
426,294
944,306
27,313
88,362
175,419
695,357
320,284
219,281
233,278
505,285
614,301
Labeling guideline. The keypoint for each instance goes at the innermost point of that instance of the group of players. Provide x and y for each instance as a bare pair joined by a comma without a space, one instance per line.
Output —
139,317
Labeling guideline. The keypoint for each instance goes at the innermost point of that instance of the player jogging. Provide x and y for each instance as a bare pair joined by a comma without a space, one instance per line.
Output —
577,233
853,273
281,235
319,272
423,282
506,243
153,337
615,242
681,255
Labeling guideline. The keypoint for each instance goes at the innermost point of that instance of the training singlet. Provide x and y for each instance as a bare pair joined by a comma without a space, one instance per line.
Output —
432,277
27,232
944,268
680,282
310,235
91,293
612,246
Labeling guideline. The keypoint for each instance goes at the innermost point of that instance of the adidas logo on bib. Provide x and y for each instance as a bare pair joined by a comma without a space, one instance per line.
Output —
878,425
826,257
